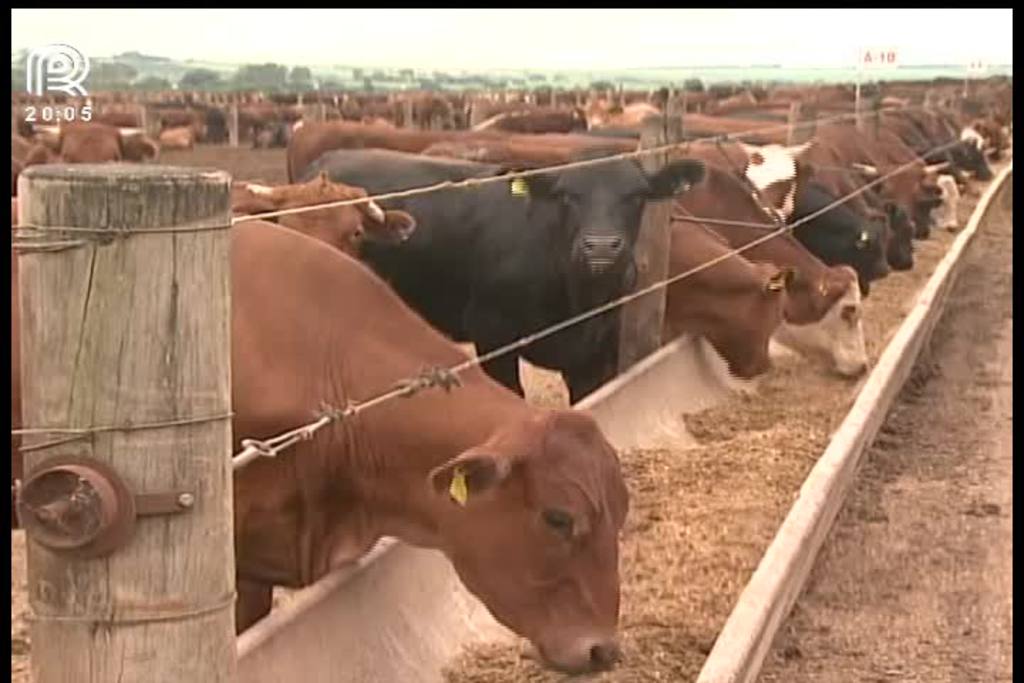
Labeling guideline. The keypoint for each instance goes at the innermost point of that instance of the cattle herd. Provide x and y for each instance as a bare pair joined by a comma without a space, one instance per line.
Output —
337,304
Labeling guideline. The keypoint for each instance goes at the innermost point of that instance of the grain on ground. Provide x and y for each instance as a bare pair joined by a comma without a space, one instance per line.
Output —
686,558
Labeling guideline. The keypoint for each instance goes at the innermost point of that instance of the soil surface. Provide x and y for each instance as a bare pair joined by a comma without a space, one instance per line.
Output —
915,582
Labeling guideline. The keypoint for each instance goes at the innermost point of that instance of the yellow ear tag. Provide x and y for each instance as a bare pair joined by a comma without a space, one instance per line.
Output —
519,187
458,488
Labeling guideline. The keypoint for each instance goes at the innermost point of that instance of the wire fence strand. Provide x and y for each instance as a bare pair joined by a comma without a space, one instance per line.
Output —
447,377
254,449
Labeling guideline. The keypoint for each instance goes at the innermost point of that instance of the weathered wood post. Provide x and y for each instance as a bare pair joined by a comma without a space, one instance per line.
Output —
641,319
477,112
233,125
128,334
407,112
794,122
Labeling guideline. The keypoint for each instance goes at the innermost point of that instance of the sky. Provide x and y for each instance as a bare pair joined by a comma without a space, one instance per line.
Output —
527,38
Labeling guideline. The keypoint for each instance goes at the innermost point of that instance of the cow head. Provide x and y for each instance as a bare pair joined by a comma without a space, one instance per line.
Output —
773,170
969,155
926,200
344,227
600,206
744,342
840,235
899,249
530,520
837,338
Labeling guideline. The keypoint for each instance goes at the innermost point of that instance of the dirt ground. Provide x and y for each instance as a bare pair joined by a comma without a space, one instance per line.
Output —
915,582
700,518
243,163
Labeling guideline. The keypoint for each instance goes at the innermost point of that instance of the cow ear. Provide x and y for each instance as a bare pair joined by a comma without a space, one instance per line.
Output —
796,150
675,177
467,476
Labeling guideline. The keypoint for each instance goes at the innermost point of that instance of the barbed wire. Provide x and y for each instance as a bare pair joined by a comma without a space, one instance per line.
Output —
447,378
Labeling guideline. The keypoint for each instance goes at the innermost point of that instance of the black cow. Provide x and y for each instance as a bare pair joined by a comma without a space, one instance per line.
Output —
492,263
840,236
899,236
216,126
273,134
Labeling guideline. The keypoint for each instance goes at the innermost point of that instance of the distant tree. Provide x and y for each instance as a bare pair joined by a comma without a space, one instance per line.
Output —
199,79
267,76
602,85
301,78
693,85
151,83
111,76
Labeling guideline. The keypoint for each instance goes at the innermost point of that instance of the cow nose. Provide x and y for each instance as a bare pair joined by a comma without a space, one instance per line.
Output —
602,251
604,655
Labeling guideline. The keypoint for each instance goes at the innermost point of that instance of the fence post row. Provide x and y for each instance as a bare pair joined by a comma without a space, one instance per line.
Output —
233,125
641,320
131,570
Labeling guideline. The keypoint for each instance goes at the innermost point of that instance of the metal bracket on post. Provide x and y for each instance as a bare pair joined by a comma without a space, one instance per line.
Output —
80,506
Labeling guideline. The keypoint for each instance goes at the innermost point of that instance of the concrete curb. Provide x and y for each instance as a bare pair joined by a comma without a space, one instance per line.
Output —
744,641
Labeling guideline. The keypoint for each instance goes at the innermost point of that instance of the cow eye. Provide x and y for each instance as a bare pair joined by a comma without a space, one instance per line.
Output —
559,520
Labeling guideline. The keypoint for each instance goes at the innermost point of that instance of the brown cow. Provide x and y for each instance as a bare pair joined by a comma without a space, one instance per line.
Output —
343,227
119,119
25,153
511,493
537,120
735,304
913,188
182,137
314,139
823,304
93,143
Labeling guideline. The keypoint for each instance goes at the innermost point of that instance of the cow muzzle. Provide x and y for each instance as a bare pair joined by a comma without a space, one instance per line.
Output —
602,251
583,655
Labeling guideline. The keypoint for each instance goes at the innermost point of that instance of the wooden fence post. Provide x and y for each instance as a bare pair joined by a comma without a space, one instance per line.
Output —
407,112
233,135
641,319
794,121
129,329
477,111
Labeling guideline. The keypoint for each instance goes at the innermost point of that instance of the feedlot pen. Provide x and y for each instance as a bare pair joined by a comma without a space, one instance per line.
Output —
701,517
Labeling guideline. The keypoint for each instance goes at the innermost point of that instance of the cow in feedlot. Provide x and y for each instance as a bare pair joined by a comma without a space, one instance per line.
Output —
839,236
343,227
735,304
502,260
527,503
822,314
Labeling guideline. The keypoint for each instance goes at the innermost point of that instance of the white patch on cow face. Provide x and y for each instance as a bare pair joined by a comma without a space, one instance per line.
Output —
968,134
838,336
768,164
944,215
